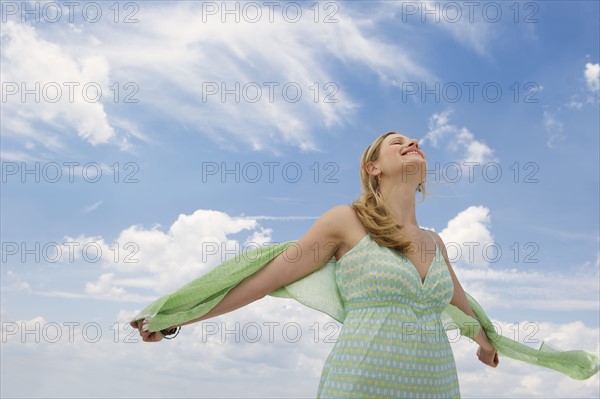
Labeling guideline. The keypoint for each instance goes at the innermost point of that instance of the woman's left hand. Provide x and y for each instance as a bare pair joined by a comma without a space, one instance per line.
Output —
488,356
146,335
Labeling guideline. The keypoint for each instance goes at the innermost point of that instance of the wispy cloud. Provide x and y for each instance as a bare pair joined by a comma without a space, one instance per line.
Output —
282,218
16,283
565,234
554,129
17,156
92,207
463,24
191,60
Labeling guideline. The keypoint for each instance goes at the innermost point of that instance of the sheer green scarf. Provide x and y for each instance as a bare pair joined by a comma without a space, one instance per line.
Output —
319,291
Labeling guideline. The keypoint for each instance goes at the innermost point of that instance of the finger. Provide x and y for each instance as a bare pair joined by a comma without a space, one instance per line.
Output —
145,334
151,337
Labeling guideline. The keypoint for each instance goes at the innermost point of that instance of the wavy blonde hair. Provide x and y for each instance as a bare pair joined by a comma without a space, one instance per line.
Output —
371,208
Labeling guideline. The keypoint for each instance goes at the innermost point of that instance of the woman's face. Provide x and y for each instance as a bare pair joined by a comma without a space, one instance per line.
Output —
397,152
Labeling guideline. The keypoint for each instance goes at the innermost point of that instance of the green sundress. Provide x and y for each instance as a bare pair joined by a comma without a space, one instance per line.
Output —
393,343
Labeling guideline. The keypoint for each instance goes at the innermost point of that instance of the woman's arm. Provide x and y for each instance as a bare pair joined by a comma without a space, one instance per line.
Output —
486,352
310,253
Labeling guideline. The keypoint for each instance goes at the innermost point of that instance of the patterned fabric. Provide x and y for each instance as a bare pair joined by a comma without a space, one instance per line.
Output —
392,342
319,291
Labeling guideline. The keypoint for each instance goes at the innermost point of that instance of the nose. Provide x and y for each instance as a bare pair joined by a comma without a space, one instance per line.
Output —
413,144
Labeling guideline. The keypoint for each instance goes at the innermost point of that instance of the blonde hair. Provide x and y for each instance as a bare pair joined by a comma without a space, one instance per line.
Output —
371,209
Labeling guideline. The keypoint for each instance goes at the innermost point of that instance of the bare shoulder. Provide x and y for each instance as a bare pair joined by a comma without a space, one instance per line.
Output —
341,210
347,227
341,213
344,220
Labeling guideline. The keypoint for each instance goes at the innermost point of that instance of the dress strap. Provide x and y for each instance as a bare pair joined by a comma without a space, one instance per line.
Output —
428,232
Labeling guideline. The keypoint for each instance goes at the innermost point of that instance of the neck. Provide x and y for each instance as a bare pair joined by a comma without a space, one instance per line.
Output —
400,200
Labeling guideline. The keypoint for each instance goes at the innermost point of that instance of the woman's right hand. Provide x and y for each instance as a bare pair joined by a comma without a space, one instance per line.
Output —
488,355
146,335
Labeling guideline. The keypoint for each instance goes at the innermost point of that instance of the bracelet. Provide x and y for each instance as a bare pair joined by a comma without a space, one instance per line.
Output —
170,334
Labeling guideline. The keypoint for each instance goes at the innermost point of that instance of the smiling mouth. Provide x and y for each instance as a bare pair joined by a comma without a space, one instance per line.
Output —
413,152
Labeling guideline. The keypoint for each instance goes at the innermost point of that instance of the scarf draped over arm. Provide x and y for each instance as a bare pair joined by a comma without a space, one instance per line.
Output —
319,291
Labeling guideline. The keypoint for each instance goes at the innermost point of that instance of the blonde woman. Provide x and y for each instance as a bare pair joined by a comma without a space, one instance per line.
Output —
394,278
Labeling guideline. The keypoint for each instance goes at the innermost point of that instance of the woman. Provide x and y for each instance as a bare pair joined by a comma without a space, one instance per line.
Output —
392,279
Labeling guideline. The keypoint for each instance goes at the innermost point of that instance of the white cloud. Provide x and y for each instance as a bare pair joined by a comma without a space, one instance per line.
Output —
513,378
173,59
481,263
104,286
259,238
124,316
472,151
592,76
16,156
283,218
574,103
142,260
91,249
275,339
30,62
265,368
476,33
92,207
587,94
476,151
465,24
195,243
16,283
514,288
554,129
14,330
438,128
145,262
163,261
466,234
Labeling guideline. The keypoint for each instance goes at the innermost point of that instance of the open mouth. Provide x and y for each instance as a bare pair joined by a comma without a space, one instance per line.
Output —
413,153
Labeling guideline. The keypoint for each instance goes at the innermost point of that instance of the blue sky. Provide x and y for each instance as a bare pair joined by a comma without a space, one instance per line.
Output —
185,166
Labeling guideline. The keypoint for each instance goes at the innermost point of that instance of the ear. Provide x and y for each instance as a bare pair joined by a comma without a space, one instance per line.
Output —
372,169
